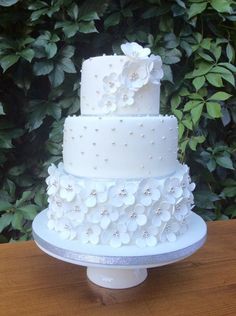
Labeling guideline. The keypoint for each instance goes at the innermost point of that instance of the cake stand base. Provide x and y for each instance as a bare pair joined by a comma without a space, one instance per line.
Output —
113,278
123,267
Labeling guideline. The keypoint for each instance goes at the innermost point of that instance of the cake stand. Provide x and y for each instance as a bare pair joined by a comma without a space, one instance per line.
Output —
123,267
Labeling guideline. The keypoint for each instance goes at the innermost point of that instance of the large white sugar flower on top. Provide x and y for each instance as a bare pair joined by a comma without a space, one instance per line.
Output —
134,50
122,193
53,181
162,212
156,73
108,103
170,231
124,97
148,191
103,215
172,189
147,237
136,74
67,188
93,193
135,217
111,83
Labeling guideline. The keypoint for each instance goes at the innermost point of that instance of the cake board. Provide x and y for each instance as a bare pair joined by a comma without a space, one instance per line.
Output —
123,267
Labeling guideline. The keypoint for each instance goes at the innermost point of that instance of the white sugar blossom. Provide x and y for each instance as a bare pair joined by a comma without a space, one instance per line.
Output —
135,217
122,193
90,233
172,189
124,97
187,186
170,231
103,215
181,209
108,103
156,72
53,181
136,74
135,51
147,237
183,226
93,193
117,235
148,191
77,211
111,83
162,212
56,207
65,229
67,188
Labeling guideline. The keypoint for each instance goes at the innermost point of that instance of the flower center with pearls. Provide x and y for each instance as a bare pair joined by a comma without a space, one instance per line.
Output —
148,191
146,234
172,190
158,211
104,212
116,234
93,192
111,84
77,208
134,76
133,215
123,192
125,97
69,188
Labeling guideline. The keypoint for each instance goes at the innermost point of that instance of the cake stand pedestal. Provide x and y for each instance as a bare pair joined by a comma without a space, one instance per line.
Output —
123,267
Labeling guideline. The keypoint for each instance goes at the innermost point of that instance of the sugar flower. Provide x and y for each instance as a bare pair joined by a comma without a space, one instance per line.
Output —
156,73
93,193
135,217
111,83
147,237
103,215
135,51
124,97
108,103
148,191
67,188
90,233
161,212
122,193
170,231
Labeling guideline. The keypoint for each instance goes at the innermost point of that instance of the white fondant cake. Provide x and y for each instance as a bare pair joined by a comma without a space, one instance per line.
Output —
120,182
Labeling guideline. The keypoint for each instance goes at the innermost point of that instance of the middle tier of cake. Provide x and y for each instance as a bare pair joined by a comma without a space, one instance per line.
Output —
120,147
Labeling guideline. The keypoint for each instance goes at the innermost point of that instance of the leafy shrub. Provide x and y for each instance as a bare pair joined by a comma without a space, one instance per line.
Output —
42,45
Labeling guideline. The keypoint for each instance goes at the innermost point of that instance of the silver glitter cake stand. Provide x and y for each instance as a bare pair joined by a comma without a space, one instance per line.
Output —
123,267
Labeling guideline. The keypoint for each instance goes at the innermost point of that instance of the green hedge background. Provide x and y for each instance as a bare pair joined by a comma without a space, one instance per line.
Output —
42,45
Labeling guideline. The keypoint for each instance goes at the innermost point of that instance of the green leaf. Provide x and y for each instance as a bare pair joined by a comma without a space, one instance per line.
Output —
7,61
43,68
67,65
51,50
224,161
211,165
199,82
196,8
1,109
214,79
17,221
90,16
213,109
188,123
5,220
230,192
196,113
181,129
191,104
25,197
5,205
230,78
8,3
230,52
222,6
27,54
29,211
202,69
87,27
57,76
220,96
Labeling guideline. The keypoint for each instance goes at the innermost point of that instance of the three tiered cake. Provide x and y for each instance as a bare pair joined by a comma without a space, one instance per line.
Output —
120,182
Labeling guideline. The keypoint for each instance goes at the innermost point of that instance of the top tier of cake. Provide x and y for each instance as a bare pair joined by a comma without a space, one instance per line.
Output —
122,85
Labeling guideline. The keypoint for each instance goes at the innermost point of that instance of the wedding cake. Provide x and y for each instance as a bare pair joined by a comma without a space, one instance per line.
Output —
120,182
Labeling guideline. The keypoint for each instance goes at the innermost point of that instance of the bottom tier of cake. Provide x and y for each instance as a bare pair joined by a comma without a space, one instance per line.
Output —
118,212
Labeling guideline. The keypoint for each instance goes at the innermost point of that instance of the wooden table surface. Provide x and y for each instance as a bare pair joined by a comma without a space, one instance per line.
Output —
32,283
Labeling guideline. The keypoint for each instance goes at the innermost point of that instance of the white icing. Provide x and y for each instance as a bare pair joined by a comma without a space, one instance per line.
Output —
114,147
117,212
105,80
